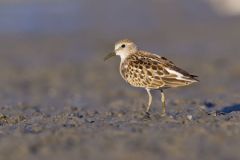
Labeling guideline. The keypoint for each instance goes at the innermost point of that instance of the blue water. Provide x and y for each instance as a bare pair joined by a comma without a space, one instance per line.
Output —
70,16
39,18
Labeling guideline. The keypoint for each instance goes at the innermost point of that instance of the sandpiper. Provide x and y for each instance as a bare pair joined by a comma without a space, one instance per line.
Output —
150,71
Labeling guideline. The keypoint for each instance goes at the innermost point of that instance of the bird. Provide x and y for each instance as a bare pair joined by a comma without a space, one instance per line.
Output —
150,71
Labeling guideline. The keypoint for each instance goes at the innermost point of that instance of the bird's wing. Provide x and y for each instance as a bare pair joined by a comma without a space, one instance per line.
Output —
161,72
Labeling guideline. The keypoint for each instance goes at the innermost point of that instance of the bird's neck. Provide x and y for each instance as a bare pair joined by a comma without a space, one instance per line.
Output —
124,55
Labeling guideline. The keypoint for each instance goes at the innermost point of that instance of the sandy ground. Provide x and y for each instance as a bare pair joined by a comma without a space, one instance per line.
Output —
55,106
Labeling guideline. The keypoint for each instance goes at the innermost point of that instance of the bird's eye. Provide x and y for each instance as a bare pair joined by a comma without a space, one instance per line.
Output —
123,46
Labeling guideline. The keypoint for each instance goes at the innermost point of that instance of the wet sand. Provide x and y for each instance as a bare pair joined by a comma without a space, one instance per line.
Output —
59,106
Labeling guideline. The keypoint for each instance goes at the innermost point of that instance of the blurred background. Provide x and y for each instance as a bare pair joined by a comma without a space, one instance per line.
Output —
49,36
51,52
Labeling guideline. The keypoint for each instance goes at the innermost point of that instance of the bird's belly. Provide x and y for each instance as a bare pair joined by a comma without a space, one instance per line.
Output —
137,80
131,78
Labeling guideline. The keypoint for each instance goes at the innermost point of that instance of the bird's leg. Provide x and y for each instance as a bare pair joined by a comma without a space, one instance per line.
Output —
163,104
149,101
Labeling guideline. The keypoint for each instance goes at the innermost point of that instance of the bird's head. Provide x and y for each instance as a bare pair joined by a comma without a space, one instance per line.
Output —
123,48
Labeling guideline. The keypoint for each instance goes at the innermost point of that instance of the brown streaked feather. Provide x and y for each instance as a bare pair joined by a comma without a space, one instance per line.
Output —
143,69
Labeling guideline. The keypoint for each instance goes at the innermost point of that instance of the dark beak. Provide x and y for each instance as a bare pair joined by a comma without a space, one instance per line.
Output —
109,56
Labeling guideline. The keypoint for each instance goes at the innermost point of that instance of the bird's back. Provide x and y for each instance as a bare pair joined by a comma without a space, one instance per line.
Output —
143,69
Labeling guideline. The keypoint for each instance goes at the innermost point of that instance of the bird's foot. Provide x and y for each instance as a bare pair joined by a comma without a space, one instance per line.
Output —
147,116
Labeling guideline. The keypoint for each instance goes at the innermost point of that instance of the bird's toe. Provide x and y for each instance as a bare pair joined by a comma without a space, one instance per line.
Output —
147,116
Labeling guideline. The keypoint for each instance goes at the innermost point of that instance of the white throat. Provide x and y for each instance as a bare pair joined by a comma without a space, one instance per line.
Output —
123,55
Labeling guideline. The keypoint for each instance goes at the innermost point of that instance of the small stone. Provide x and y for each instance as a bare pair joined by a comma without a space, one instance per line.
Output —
89,120
3,118
203,107
171,117
189,117
215,113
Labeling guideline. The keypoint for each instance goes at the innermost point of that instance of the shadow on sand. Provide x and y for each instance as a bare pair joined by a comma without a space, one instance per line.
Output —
229,109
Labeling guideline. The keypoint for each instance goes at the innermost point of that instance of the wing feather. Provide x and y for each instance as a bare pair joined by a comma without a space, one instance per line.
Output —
152,71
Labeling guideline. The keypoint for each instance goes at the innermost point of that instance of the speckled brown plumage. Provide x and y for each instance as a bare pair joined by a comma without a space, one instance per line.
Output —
143,69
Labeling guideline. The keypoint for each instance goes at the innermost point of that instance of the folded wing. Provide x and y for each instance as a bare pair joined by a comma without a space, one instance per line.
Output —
163,73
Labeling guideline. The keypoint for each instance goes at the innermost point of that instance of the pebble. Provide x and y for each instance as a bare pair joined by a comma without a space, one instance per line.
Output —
189,117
